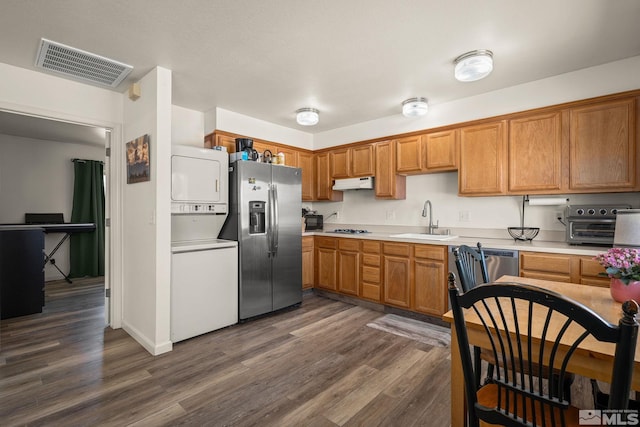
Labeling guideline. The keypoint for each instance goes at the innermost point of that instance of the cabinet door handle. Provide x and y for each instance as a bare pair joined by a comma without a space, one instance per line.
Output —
217,186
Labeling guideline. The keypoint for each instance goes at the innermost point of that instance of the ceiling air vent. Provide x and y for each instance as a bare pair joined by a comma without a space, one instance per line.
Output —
80,65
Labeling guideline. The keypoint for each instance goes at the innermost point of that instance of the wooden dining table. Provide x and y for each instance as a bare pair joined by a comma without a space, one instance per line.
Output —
593,359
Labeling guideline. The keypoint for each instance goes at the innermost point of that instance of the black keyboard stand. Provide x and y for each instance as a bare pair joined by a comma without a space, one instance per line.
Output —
49,258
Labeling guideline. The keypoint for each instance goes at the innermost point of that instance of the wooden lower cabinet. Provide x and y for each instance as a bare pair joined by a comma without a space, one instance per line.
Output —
397,274
403,275
326,262
371,277
540,265
397,281
307,262
349,266
590,270
562,268
429,275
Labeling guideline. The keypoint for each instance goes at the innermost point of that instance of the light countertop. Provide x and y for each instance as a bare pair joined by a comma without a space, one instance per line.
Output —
468,239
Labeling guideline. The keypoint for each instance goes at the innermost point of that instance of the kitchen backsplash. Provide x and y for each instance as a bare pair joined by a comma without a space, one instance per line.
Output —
361,207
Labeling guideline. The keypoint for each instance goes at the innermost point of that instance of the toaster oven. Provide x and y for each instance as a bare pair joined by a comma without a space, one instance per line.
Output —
592,224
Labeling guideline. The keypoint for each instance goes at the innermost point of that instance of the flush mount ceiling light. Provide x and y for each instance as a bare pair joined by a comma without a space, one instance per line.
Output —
307,116
415,107
474,65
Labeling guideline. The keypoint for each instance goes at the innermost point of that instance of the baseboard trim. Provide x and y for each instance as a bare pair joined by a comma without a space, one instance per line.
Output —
147,344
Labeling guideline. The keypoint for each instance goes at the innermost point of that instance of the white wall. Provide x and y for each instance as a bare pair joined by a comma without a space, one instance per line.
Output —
146,247
50,96
37,176
618,76
187,126
248,126
360,207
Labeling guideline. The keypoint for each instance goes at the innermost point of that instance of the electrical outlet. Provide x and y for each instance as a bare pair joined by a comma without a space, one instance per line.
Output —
463,216
337,215
391,214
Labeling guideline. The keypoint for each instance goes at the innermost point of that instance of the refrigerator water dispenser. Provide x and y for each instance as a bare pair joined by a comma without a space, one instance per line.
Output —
256,217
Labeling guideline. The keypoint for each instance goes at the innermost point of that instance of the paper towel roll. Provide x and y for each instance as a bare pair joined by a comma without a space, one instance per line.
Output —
548,201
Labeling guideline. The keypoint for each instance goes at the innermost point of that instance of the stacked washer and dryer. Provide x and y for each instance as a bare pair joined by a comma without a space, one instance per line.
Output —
204,269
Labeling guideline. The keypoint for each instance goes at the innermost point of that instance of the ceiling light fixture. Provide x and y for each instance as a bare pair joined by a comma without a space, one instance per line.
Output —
474,65
307,116
415,107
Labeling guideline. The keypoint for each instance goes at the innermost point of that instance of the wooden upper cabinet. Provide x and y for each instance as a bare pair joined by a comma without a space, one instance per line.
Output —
261,146
408,155
482,159
218,140
602,146
209,141
340,161
352,162
431,152
324,181
535,154
388,184
290,156
363,160
306,162
439,151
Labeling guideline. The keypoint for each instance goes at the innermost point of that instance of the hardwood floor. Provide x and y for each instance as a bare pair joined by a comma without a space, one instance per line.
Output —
318,365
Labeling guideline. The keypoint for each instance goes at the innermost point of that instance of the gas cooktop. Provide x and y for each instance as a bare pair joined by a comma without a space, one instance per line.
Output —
349,231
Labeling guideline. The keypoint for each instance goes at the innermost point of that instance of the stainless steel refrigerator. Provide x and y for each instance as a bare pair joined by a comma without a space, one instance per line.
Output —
265,202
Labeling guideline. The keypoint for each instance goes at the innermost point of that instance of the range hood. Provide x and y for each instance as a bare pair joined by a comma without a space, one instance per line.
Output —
365,183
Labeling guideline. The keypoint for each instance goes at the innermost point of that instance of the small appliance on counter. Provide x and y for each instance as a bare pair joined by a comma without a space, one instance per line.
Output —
313,222
627,230
244,151
592,224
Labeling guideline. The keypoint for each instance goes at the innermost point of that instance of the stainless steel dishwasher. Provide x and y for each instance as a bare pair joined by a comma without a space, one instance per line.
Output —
500,262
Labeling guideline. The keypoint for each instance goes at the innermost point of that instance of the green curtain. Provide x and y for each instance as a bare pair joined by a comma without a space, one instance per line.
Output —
87,249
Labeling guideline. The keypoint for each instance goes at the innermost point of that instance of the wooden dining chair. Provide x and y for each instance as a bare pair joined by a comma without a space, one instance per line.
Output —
507,316
470,262
472,271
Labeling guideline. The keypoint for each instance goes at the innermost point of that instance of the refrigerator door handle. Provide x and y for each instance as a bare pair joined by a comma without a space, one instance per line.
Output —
276,223
270,203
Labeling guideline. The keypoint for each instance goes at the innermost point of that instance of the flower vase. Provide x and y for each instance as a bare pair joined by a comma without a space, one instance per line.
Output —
621,292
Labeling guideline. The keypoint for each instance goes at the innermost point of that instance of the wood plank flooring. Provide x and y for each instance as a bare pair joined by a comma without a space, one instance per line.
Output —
317,365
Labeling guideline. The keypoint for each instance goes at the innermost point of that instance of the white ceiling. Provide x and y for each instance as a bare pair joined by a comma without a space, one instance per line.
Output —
354,60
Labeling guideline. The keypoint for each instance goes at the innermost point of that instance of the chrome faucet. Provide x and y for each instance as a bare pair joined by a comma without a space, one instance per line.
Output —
432,227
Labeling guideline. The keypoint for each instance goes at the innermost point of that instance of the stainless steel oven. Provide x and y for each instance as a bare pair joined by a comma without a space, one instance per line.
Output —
592,224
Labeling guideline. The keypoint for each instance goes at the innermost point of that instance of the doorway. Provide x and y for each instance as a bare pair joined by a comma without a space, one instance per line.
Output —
35,143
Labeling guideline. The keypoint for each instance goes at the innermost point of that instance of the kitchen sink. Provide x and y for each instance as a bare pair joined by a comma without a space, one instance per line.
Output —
425,236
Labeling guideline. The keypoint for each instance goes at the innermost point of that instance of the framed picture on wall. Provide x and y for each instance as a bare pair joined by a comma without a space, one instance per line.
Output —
138,164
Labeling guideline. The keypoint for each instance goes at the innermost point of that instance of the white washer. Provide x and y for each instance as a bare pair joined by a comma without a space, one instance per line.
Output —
204,286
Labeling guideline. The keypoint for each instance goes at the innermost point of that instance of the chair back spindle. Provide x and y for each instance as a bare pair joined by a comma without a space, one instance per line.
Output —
523,388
